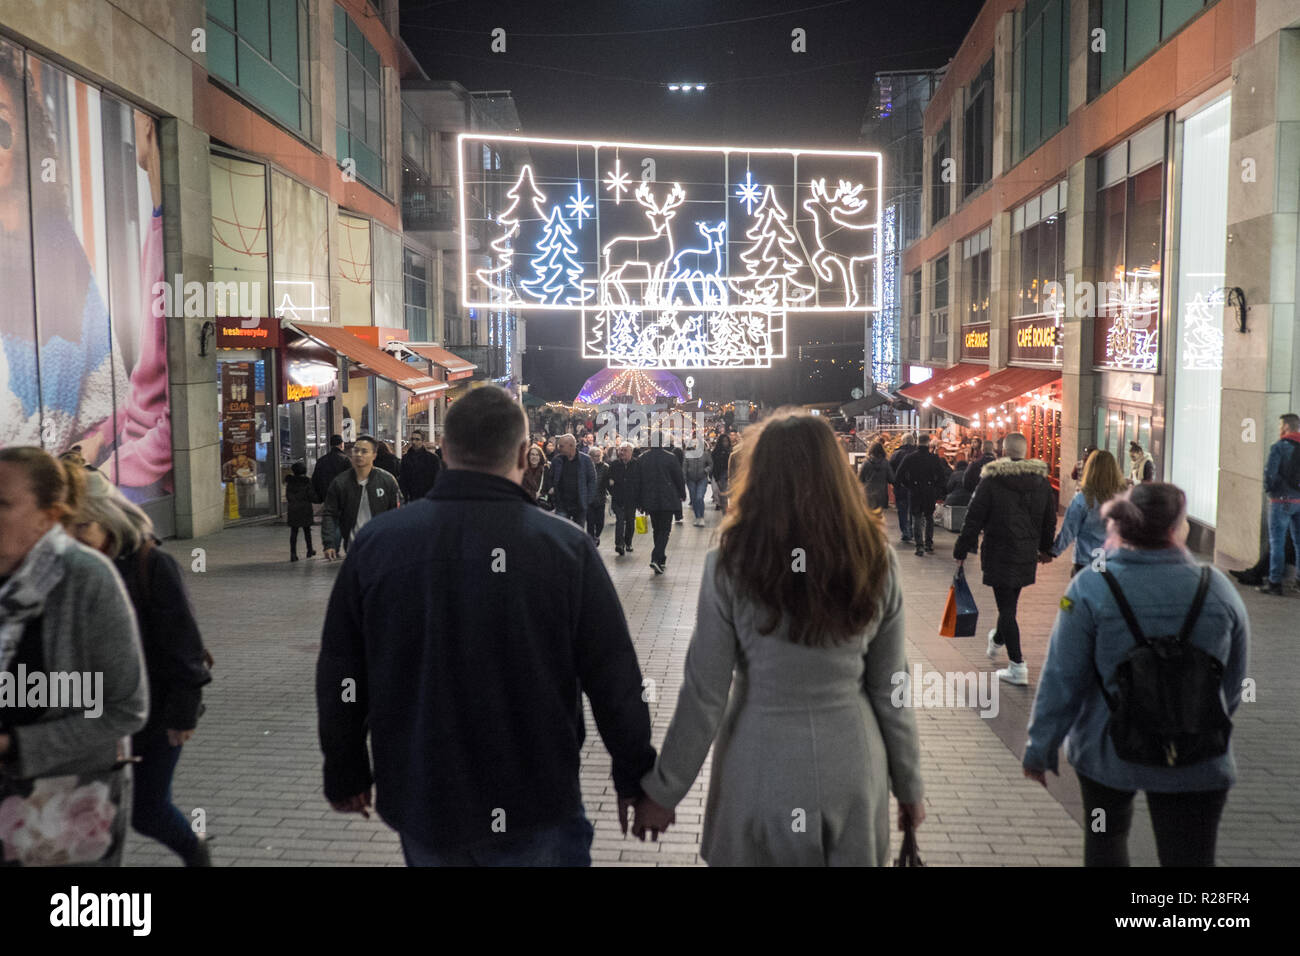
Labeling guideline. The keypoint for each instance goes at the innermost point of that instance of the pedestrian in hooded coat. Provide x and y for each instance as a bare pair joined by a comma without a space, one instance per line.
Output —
329,467
297,495
876,476
1015,509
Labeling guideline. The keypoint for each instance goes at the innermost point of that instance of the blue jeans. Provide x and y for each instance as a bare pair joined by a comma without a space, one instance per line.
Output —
152,811
903,501
696,490
1283,516
561,844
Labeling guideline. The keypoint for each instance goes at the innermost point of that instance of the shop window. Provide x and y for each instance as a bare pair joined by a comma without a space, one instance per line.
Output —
1133,29
244,422
415,283
1037,252
359,101
977,152
1040,66
261,47
976,258
939,310
939,185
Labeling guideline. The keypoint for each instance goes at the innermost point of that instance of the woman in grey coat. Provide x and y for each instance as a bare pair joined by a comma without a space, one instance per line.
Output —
798,635
64,613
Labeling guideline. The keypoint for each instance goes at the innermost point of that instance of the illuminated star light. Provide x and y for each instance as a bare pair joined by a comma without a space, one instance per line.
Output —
749,192
579,206
617,182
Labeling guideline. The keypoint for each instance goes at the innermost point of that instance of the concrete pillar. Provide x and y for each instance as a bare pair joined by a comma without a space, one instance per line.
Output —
1078,381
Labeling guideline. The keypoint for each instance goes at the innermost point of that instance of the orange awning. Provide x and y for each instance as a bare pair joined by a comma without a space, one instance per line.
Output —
974,401
457,367
373,360
942,380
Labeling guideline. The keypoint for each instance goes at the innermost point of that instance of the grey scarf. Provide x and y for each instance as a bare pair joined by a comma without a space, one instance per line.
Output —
22,599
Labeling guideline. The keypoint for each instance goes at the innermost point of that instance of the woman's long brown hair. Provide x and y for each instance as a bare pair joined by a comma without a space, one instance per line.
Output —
1101,480
794,489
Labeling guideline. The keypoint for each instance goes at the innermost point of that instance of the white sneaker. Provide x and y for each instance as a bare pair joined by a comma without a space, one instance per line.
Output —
699,522
994,647
1017,674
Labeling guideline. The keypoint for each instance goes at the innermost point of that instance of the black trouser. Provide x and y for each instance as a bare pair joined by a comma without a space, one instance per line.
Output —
922,517
596,518
903,503
293,540
1186,824
624,523
661,523
1008,631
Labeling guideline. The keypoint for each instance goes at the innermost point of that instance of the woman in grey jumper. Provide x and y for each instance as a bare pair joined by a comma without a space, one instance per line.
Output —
64,786
798,635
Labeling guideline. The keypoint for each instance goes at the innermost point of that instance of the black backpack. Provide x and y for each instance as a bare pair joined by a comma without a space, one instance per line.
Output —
1169,709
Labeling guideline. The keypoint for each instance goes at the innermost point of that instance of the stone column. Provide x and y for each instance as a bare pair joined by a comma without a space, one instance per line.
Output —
1078,380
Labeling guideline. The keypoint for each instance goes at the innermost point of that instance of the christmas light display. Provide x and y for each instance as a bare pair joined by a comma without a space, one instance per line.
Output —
1203,333
749,192
580,206
644,388
554,269
617,182
885,334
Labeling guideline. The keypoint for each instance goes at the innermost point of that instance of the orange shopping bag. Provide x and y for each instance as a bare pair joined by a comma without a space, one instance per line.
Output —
960,615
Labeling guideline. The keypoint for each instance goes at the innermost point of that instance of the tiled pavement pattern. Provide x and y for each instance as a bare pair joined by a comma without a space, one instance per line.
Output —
254,766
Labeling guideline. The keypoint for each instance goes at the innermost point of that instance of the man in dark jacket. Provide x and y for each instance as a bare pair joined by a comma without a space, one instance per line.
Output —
419,469
1015,509
925,476
976,467
1282,483
662,491
901,500
624,489
572,480
329,467
472,699
354,497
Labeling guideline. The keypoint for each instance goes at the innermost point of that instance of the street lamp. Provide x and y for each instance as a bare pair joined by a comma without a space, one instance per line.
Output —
685,87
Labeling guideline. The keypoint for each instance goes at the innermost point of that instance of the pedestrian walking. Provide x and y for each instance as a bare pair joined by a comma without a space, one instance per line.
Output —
467,719
624,492
1013,507
901,499
354,497
662,489
1282,483
328,467
876,476
385,459
721,476
1151,586
1076,473
812,650
297,496
696,467
419,469
596,507
988,453
534,471
680,454
174,656
63,610
1083,523
572,481
1141,466
925,477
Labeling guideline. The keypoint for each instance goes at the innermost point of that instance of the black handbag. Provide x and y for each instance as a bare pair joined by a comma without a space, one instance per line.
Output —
909,854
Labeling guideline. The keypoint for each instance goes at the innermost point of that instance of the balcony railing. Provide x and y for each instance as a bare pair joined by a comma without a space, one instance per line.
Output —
430,209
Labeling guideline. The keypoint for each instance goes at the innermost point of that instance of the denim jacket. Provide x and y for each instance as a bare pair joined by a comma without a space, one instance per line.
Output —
1089,629
1082,525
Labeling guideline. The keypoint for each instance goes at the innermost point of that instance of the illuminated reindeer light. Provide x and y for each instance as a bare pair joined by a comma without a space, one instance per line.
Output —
845,232
650,255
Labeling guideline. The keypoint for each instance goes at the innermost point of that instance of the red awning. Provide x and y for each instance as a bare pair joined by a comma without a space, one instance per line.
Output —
942,381
974,401
373,360
457,367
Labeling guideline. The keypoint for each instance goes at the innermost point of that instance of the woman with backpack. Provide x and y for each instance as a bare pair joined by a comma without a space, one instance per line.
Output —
1118,736
876,477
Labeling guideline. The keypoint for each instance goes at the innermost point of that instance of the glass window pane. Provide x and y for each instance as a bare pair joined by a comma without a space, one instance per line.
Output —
1053,60
221,53
356,42
356,98
342,145
254,25
1112,58
340,25
1176,13
372,61
374,115
223,10
284,38
1033,84
341,85
268,86
1141,30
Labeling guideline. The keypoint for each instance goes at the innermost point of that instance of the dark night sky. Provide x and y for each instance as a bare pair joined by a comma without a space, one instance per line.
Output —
609,83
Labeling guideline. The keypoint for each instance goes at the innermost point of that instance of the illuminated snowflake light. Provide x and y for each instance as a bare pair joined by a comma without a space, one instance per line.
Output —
579,206
749,192
617,181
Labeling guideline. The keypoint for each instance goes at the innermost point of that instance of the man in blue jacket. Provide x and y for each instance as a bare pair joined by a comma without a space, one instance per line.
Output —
1282,482
472,700
572,480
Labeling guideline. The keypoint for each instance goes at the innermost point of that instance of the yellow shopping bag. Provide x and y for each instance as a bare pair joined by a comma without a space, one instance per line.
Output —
642,525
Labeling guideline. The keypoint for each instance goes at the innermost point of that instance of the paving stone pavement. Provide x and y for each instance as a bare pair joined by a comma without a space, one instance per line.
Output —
254,766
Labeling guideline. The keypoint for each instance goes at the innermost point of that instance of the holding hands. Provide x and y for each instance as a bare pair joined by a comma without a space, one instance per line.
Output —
648,816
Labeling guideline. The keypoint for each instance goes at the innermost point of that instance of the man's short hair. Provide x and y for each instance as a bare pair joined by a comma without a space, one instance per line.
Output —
909,438
336,441
1015,445
1292,421
485,429
418,434
989,448
374,442
924,441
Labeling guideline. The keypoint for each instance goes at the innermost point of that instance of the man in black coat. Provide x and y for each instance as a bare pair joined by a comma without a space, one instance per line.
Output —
472,700
662,491
329,467
901,499
624,489
1015,508
976,467
925,476
419,469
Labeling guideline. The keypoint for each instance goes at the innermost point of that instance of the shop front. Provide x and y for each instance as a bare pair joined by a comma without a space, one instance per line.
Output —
307,413
246,388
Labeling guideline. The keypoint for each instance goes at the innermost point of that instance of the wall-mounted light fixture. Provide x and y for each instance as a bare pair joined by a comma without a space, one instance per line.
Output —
1236,298
205,332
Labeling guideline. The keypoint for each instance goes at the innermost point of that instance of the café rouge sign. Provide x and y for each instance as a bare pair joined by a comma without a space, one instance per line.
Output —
1035,336
977,339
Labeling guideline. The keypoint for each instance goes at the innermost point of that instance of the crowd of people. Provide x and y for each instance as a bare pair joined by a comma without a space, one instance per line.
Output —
470,735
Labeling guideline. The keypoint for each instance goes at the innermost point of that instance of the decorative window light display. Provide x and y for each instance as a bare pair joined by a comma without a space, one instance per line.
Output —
674,256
